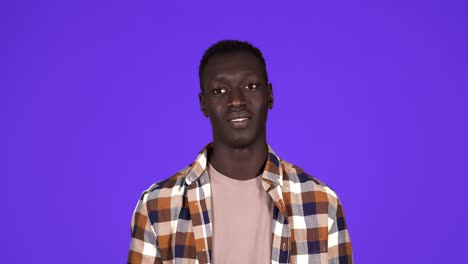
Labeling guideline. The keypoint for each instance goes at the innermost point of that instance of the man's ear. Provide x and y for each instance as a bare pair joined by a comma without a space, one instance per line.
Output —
270,96
201,98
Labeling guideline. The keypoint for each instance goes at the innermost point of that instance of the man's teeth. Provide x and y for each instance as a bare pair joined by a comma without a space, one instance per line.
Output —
239,119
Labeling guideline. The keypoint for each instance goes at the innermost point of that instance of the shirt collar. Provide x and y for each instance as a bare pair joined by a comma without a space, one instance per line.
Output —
271,173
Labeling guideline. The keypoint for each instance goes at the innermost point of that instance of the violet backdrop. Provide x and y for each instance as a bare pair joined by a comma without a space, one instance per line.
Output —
99,100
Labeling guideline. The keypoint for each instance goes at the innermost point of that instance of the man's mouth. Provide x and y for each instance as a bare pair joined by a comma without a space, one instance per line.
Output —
239,119
239,122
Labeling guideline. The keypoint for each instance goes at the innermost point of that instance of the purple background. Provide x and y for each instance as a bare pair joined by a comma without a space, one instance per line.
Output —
99,100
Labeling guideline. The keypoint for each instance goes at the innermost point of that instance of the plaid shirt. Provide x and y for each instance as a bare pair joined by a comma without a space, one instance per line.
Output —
172,220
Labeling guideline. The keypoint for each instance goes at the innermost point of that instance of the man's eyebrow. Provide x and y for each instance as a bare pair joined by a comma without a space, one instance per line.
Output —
218,78
222,76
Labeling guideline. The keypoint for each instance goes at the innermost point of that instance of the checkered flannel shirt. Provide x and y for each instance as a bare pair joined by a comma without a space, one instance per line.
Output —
172,220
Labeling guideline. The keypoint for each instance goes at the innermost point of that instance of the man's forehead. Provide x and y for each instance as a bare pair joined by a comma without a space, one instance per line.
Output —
233,62
231,75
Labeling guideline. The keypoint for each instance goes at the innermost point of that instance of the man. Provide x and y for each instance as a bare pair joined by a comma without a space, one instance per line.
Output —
238,202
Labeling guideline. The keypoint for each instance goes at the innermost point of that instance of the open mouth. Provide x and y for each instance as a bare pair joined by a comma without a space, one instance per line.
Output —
240,122
241,119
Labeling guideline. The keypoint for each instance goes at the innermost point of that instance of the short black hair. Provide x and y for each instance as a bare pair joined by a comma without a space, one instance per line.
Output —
227,46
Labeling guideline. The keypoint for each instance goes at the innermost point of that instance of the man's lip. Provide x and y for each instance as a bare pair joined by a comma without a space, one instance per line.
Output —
239,122
239,119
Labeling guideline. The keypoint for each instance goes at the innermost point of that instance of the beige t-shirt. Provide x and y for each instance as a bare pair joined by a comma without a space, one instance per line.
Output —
242,217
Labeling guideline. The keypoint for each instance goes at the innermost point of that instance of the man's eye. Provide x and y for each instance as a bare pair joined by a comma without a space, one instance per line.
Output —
251,86
219,91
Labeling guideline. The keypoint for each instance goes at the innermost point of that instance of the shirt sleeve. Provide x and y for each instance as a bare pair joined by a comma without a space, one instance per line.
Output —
339,243
143,247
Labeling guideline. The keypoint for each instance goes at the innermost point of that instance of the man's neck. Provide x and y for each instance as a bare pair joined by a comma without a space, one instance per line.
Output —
239,163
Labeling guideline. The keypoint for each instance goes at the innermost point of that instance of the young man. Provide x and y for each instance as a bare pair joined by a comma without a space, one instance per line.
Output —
238,202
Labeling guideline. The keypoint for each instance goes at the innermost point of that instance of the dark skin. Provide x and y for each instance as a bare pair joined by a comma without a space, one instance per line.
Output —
236,97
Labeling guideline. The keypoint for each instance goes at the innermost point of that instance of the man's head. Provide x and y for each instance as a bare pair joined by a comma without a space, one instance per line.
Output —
229,46
235,95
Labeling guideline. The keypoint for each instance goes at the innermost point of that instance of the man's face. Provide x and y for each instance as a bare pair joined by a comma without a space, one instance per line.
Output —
236,98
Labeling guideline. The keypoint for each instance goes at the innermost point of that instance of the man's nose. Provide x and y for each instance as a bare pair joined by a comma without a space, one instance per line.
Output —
236,98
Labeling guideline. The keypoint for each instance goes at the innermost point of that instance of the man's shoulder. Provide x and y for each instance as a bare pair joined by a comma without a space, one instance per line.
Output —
300,181
164,188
